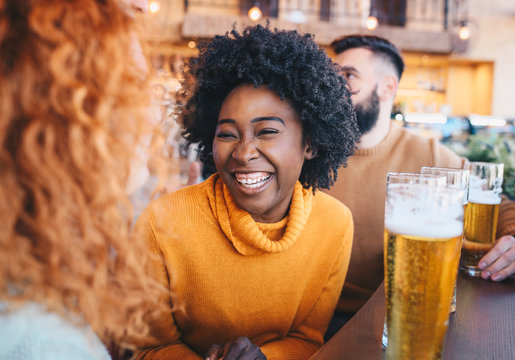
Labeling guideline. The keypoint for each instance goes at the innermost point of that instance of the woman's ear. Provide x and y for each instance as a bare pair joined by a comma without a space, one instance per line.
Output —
309,152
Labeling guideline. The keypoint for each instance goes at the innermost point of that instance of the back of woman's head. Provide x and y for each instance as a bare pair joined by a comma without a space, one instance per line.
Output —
72,107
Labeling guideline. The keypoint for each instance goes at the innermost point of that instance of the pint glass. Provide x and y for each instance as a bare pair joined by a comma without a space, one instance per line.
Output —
423,232
481,214
456,178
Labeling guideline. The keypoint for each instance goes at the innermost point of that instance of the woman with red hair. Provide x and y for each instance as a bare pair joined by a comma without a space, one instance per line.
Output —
72,113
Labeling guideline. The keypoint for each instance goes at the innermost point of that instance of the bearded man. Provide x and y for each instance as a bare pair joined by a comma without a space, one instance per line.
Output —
373,68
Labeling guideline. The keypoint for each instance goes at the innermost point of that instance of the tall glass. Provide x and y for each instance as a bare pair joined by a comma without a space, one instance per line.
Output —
456,178
423,231
430,179
481,214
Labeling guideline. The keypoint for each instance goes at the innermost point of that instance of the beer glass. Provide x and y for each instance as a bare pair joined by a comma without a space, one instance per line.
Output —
423,232
481,214
456,178
429,179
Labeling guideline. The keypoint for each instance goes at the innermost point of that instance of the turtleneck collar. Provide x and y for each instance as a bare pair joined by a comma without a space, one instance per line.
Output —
250,237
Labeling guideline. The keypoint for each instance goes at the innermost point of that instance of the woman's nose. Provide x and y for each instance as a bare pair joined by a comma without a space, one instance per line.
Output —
245,151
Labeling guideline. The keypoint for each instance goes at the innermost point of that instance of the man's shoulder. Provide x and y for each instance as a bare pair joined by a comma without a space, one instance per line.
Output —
429,149
409,136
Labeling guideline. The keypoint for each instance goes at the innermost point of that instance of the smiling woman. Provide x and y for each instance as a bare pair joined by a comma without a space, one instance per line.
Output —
259,151
253,261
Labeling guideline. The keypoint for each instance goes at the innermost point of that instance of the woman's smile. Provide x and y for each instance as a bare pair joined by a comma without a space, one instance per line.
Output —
259,151
253,182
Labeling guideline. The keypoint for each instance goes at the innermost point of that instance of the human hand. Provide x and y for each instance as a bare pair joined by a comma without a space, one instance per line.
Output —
499,263
240,349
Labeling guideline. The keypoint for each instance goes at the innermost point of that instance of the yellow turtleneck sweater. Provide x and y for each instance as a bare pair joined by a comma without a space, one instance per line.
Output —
228,276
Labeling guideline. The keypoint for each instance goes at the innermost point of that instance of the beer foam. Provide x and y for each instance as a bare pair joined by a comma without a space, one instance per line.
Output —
485,197
439,228
424,211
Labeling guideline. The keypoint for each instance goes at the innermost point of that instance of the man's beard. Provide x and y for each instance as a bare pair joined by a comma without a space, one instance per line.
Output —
367,112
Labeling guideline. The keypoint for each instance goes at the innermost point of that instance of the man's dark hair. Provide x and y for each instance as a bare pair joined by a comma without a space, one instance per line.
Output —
294,68
379,46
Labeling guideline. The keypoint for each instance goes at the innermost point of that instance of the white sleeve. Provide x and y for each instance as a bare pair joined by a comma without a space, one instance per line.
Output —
32,333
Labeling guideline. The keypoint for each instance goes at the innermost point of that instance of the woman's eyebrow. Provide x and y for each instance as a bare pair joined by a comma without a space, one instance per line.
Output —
267,118
226,121
255,120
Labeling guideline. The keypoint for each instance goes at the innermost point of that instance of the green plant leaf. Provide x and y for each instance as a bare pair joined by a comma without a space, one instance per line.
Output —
493,148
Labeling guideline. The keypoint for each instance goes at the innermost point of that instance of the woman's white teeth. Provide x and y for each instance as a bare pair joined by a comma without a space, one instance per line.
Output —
254,183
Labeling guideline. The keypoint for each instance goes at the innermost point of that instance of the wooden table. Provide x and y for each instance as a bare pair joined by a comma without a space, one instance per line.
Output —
483,326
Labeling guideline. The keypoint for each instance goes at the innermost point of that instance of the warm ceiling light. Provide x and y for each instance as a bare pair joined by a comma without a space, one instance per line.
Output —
154,6
192,44
464,31
255,13
372,22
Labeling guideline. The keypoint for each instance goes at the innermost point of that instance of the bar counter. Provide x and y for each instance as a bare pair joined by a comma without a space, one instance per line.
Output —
483,326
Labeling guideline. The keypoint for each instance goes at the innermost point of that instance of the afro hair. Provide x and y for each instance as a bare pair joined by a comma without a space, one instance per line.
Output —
294,68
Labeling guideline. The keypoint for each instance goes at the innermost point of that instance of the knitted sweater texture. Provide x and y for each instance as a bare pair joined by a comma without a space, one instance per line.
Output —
362,187
275,283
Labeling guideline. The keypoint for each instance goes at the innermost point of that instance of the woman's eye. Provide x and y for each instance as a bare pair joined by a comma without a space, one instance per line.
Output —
268,132
225,135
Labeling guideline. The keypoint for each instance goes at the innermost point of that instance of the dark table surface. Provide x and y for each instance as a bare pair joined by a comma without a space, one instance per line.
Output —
483,326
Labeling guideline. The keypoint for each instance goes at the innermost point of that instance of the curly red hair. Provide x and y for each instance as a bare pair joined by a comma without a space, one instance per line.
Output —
72,112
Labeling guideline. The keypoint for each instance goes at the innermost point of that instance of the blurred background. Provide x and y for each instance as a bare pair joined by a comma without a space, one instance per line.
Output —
459,54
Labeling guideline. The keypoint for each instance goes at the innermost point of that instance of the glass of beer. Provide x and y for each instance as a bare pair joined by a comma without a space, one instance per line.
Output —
481,214
423,232
407,178
456,178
